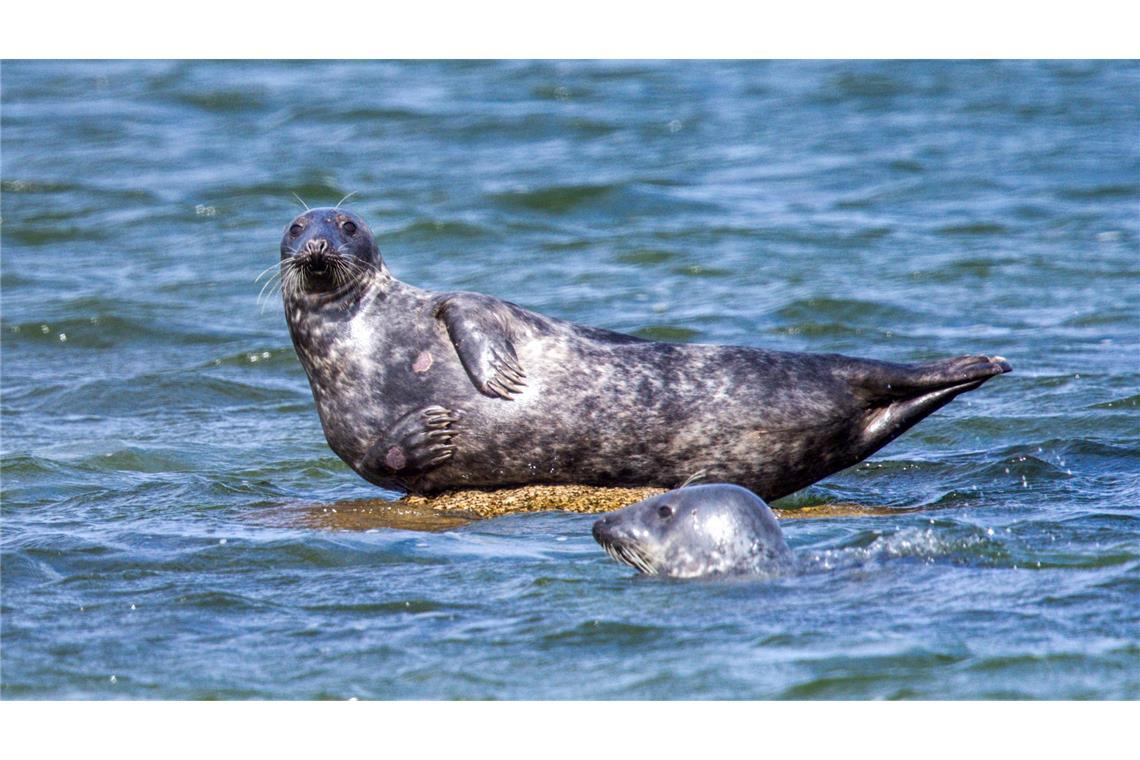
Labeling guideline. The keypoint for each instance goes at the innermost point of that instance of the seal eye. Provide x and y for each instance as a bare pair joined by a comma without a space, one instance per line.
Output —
349,228
665,511
296,230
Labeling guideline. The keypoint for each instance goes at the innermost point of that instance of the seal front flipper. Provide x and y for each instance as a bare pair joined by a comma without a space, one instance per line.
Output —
480,330
418,442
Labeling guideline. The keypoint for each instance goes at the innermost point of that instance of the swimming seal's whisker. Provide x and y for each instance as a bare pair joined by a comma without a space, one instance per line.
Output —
640,563
611,550
306,205
629,557
639,560
700,474
345,198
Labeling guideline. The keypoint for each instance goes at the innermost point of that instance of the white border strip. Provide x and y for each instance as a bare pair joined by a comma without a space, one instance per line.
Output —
577,730
584,28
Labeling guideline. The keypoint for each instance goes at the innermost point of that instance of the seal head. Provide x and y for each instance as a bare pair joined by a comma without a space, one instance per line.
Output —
326,253
716,529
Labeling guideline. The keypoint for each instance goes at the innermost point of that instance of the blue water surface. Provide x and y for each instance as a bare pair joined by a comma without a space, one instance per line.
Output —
167,492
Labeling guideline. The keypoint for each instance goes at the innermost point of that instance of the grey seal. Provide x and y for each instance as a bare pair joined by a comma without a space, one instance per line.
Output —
427,392
716,529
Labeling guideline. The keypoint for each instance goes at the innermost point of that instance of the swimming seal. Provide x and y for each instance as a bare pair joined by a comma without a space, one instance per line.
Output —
427,392
716,529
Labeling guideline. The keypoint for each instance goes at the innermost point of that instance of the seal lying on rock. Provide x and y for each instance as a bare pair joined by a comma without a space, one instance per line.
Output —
428,392
715,529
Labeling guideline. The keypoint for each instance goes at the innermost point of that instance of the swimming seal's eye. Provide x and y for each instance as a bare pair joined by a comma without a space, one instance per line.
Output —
665,511
349,228
296,230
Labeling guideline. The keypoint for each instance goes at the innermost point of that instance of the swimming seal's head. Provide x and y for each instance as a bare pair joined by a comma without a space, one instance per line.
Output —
326,251
693,531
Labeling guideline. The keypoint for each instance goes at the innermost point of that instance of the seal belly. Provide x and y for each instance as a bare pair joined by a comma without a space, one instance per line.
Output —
650,414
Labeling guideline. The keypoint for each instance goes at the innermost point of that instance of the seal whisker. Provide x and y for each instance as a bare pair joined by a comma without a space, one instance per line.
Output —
271,285
275,265
608,548
647,566
633,558
306,205
275,284
346,273
293,279
700,474
345,198
625,557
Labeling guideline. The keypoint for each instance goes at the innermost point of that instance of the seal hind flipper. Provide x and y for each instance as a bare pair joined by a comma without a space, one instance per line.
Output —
480,330
418,442
903,395
906,381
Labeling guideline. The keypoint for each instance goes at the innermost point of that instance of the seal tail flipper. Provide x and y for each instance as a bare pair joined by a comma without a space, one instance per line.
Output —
902,395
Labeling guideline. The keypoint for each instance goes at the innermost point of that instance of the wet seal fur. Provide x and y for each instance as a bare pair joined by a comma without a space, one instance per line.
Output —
427,392
716,529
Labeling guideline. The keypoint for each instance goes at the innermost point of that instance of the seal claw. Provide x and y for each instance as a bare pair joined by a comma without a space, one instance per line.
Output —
503,388
507,372
436,417
417,442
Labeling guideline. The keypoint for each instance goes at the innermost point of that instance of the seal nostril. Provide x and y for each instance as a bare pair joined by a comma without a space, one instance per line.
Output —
317,245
